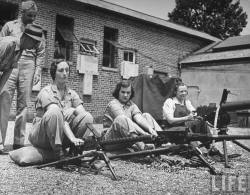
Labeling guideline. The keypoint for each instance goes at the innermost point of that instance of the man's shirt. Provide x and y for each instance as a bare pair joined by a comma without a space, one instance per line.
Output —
16,28
116,108
9,52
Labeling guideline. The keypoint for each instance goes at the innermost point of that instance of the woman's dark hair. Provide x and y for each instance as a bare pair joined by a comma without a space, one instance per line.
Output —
177,85
53,67
125,84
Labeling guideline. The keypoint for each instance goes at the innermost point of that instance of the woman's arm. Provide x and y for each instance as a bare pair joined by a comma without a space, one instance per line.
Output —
71,136
168,113
143,123
179,120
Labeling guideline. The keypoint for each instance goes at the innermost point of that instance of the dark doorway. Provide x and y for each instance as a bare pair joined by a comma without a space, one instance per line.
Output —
8,11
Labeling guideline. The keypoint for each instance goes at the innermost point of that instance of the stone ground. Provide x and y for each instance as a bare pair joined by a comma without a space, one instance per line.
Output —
134,177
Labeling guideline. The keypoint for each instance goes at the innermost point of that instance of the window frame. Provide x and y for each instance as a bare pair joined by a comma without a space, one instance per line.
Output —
129,51
85,47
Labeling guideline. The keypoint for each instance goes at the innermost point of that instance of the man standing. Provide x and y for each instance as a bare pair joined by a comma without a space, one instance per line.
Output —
11,49
28,70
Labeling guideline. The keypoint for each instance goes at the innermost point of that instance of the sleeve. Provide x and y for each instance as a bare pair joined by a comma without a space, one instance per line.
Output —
168,109
6,51
189,106
40,55
5,31
135,110
44,99
76,100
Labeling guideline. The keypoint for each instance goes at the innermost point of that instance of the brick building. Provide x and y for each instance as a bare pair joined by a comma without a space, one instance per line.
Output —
109,34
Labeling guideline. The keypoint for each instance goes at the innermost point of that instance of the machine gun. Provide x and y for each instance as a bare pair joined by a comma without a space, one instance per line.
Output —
179,135
221,119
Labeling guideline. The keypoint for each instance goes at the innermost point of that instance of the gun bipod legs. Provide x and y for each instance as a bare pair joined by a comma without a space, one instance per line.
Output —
199,154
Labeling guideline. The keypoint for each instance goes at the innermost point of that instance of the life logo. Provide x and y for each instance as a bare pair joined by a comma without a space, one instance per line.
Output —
230,183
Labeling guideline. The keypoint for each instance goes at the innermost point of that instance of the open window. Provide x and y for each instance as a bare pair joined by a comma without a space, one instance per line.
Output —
8,11
109,50
64,36
88,47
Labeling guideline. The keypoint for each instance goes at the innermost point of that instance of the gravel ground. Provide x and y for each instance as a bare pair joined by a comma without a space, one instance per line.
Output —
134,178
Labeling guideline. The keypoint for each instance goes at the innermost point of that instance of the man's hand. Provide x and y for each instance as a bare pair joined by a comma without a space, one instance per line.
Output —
37,76
77,141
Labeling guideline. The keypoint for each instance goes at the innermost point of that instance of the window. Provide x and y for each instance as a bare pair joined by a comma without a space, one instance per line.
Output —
88,47
8,11
64,36
109,49
129,56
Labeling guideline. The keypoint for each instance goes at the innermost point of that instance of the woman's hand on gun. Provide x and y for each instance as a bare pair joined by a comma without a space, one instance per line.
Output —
77,142
190,117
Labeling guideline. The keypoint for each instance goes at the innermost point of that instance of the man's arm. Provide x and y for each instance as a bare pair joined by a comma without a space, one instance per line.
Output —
4,77
5,31
40,60
6,53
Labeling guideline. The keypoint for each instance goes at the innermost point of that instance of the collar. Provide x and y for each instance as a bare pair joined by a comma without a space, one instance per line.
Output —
129,103
55,89
19,21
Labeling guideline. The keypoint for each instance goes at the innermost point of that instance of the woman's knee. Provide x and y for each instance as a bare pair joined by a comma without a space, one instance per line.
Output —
124,125
53,112
147,115
121,119
89,118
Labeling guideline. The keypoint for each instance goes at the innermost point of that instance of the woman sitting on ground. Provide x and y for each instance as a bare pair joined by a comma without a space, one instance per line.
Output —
178,111
122,118
60,116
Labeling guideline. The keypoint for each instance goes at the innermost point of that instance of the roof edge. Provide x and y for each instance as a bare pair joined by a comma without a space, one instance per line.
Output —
142,16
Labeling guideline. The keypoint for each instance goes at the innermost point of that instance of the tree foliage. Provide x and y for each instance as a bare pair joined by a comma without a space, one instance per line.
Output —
219,18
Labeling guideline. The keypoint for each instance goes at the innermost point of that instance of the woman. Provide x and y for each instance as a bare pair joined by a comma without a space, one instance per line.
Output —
60,116
124,119
178,111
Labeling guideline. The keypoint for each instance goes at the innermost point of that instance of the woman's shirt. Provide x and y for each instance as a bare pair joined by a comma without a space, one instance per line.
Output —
169,107
51,95
116,108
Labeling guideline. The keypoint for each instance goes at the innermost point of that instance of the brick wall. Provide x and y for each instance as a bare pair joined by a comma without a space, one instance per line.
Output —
157,46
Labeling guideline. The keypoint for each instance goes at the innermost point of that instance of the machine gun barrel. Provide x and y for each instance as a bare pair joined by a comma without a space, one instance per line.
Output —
233,106
90,144
144,138
200,137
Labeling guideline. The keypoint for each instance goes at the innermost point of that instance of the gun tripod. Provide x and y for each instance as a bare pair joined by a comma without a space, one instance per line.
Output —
223,131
